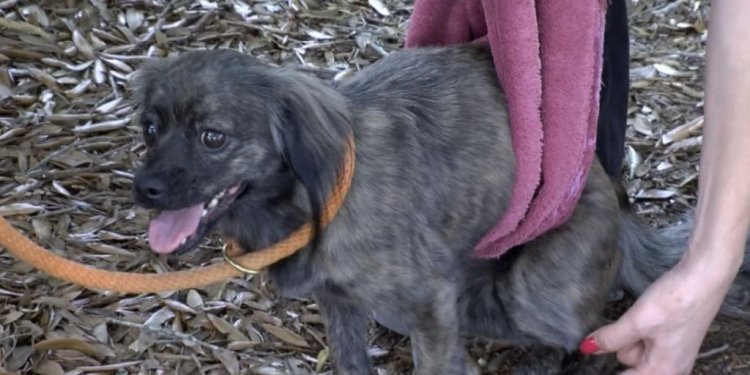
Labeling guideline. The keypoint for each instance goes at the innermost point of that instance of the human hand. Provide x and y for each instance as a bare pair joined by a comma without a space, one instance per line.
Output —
663,331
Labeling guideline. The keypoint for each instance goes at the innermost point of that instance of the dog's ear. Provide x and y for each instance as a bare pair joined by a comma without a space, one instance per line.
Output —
142,81
311,130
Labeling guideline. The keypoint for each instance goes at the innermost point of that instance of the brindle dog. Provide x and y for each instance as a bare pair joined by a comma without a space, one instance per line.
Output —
252,151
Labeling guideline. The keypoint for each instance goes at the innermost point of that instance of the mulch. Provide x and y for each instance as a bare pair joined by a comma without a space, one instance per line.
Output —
68,148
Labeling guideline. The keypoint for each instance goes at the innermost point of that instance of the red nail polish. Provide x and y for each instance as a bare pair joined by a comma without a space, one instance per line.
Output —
588,346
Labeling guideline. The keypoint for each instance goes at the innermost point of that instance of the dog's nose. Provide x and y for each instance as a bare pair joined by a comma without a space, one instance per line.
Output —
152,188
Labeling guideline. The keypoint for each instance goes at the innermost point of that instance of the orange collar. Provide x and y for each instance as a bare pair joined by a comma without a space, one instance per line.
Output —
254,261
125,282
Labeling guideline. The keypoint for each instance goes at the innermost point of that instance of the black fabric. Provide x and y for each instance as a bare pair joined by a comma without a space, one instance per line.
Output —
613,101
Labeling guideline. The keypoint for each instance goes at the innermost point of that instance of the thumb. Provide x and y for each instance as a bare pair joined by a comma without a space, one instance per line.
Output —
611,338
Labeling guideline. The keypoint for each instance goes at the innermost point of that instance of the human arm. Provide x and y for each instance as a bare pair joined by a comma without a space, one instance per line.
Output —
662,332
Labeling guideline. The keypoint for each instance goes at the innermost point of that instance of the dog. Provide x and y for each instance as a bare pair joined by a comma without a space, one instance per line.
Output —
252,151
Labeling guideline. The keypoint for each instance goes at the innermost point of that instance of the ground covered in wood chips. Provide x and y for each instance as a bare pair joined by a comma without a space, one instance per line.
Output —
68,147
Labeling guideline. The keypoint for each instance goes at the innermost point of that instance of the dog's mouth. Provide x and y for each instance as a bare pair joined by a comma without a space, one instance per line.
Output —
177,231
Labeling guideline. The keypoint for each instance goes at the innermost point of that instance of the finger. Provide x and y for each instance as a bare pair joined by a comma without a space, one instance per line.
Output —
641,371
667,357
632,355
645,370
612,337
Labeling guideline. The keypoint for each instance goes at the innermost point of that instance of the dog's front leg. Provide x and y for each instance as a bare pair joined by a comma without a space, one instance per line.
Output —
437,347
346,330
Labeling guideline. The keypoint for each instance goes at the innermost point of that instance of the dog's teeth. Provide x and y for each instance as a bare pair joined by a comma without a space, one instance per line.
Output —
204,212
213,203
221,194
183,241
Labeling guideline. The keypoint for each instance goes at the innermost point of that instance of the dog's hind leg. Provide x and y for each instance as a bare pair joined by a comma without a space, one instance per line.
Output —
436,343
540,360
546,360
551,291
395,321
556,289
346,331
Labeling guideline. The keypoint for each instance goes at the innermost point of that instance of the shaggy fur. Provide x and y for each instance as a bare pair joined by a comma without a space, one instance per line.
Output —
434,171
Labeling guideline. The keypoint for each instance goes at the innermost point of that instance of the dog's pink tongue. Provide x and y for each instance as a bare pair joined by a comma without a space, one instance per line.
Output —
166,231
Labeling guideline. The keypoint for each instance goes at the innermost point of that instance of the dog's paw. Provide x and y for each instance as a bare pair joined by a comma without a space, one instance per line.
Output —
471,367
540,361
615,295
591,365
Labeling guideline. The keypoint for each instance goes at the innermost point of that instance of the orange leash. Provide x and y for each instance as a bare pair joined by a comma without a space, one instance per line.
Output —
92,278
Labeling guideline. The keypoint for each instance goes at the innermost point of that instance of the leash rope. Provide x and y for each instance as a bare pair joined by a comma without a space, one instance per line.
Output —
124,282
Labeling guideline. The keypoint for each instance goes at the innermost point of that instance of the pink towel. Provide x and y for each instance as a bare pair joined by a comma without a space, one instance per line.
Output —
548,54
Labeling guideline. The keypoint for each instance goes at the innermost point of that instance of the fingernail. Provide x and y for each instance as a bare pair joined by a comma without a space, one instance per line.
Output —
588,346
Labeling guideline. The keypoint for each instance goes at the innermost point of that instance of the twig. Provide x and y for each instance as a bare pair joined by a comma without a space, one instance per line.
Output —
42,174
115,366
667,8
714,351
165,332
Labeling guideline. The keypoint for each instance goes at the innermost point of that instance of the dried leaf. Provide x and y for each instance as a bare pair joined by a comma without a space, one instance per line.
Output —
19,209
321,359
267,370
242,345
686,144
179,306
208,5
318,35
224,327
683,131
11,317
12,133
241,8
82,45
158,318
663,166
642,125
79,89
49,368
44,77
5,84
144,341
669,70
109,106
68,344
23,27
74,158
286,335
229,360
119,65
100,72
42,228
83,204
194,299
634,161
19,355
102,126
656,194
379,7
110,250
134,18
101,333
35,15
60,189
62,64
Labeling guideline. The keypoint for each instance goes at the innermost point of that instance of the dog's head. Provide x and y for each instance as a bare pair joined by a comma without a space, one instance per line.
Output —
220,128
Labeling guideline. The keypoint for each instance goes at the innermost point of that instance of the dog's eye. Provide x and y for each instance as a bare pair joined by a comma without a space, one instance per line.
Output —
149,131
212,139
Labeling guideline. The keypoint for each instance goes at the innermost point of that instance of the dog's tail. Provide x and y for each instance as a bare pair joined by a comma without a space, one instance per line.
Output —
649,252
